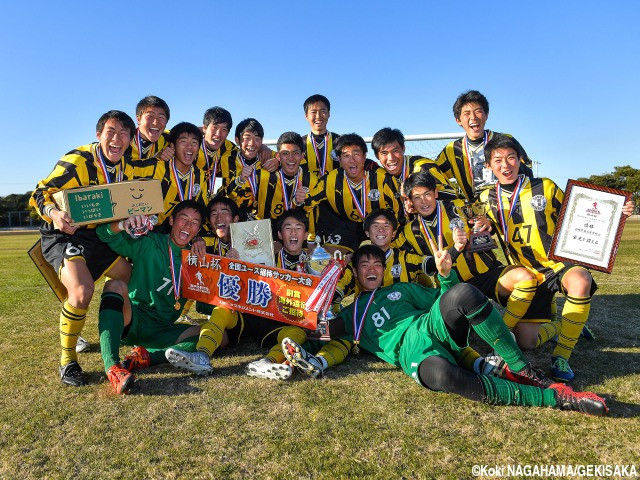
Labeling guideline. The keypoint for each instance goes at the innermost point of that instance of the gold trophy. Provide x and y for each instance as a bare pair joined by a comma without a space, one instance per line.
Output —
478,241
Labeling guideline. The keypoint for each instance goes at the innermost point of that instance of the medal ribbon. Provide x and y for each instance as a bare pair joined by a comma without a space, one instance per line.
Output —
322,163
175,279
426,231
103,166
212,177
288,199
178,182
405,168
253,182
357,327
361,206
469,157
138,140
512,208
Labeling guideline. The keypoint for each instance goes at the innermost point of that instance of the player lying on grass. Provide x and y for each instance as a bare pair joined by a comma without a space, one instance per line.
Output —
143,312
423,331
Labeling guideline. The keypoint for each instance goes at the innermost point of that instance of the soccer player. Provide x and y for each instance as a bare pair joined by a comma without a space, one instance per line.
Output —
423,331
179,177
463,159
524,213
319,157
143,311
274,193
76,253
151,140
343,198
511,286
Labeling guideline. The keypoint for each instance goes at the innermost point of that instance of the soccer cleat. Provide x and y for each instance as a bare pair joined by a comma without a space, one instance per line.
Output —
265,368
71,374
138,358
300,358
587,334
585,402
560,369
120,378
488,365
527,376
82,345
196,362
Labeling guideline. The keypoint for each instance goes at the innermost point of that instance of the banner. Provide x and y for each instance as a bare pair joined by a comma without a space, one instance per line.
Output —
250,287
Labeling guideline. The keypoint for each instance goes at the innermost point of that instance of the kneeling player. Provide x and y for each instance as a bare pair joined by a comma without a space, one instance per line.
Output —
424,330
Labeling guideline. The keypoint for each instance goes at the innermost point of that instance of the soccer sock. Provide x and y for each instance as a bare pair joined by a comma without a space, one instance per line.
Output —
519,301
212,330
158,357
296,334
554,309
71,323
498,391
488,324
110,327
334,352
547,331
574,316
467,358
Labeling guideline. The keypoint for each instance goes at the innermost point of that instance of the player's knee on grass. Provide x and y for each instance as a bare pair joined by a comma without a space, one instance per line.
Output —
526,334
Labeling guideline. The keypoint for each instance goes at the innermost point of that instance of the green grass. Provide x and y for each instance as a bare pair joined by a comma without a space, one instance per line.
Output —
365,419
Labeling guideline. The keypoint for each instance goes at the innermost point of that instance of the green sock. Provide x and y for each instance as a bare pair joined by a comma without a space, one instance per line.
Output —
157,355
493,331
498,391
110,327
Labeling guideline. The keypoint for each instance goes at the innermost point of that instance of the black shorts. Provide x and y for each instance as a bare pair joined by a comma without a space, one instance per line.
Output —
85,244
487,283
332,229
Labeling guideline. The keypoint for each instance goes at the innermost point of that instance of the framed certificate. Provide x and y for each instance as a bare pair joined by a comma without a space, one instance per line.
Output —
589,226
253,241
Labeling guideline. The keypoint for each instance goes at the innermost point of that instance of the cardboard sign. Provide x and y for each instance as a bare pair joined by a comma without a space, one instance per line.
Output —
249,287
47,271
114,201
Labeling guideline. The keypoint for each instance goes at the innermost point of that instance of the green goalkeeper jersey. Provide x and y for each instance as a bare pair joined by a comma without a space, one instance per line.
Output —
151,288
393,310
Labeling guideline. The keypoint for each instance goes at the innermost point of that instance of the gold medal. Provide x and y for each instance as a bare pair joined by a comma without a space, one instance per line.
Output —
356,349
176,305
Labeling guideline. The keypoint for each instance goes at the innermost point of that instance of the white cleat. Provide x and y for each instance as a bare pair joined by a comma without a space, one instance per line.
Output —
301,359
82,345
265,368
195,362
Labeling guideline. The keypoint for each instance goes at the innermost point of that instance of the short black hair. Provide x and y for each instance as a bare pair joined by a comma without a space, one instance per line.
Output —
470,96
384,137
226,201
290,138
350,140
316,98
419,179
152,101
367,251
123,118
380,212
185,204
184,127
296,213
249,125
217,115
500,140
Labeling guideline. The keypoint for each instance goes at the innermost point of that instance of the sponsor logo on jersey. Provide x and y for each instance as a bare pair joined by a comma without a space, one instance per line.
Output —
393,296
396,270
538,203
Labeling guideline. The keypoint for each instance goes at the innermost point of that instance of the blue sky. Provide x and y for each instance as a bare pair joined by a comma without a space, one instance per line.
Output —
561,77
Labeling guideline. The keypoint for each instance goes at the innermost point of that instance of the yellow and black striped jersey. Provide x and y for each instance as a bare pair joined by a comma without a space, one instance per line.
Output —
288,261
149,149
400,266
531,225
319,157
453,162
81,167
214,163
215,246
272,194
413,238
175,186
232,166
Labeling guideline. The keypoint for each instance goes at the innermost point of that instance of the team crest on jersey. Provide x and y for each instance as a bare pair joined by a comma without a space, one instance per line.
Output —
456,223
396,270
393,296
334,155
538,203
374,195
196,189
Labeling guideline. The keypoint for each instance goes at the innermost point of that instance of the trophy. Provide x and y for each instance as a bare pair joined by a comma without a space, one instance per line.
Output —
478,241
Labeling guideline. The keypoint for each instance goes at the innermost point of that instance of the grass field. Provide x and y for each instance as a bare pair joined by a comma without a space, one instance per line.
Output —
365,419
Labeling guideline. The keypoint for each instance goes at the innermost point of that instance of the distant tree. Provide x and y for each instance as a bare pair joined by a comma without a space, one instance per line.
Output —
623,178
14,202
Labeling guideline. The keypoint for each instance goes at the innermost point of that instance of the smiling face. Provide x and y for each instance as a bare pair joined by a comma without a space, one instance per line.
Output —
504,164
318,115
381,233
152,123
184,226
352,162
292,233
472,119
187,147
215,134
370,273
289,157
250,145
424,200
114,140
220,219
391,157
